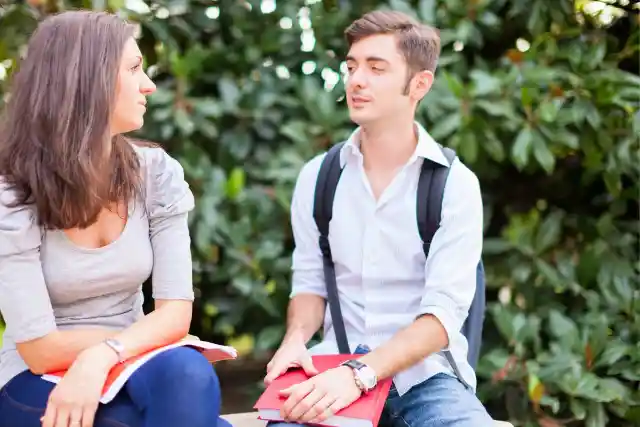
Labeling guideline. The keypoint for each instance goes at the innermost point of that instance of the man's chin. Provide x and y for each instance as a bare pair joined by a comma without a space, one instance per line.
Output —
360,117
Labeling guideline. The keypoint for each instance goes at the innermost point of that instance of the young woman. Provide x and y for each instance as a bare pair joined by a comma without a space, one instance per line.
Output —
86,216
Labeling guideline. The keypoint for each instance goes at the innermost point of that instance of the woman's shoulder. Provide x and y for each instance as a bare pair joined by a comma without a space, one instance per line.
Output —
19,228
167,189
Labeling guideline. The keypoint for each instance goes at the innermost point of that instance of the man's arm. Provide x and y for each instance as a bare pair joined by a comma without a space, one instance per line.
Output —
304,317
450,280
308,293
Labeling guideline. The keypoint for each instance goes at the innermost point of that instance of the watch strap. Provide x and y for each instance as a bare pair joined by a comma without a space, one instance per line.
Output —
117,347
354,364
357,366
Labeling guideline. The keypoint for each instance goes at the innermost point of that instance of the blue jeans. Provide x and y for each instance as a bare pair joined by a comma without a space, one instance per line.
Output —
440,401
176,388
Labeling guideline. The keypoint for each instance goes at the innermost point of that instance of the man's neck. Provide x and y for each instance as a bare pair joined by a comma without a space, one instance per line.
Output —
387,145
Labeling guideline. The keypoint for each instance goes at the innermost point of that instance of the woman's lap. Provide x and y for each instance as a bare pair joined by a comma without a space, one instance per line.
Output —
24,400
172,375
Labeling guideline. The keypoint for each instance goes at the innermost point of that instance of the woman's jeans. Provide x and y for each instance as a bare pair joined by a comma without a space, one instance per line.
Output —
176,388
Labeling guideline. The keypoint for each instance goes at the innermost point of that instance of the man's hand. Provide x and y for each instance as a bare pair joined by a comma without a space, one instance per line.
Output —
320,397
291,354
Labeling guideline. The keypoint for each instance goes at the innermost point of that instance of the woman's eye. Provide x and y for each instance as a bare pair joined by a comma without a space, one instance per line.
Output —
135,67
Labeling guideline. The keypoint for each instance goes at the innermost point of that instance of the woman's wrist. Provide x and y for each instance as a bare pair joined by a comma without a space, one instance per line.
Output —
101,356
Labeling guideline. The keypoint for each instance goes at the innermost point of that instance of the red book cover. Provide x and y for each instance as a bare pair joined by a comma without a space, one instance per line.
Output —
364,412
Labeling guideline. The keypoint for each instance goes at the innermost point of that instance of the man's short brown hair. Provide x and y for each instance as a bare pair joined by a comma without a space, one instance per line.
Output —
418,43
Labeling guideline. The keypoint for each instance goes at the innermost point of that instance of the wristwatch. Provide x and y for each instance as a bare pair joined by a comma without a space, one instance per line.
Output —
116,346
365,377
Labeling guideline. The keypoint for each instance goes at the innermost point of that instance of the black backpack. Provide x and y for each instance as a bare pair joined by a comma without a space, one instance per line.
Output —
433,177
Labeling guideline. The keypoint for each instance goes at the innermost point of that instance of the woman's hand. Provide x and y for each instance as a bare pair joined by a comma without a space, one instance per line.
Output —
74,400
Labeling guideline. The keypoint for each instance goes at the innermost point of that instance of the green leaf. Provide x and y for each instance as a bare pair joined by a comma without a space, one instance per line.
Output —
550,274
564,137
578,408
229,93
595,55
493,146
612,389
454,84
403,6
495,246
235,183
207,107
522,147
613,182
541,152
446,126
549,232
562,327
527,94
497,108
614,351
468,147
636,123
184,122
427,9
549,109
296,130
269,337
596,415
484,83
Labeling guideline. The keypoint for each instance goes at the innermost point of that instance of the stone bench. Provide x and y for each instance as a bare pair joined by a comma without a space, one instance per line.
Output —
250,419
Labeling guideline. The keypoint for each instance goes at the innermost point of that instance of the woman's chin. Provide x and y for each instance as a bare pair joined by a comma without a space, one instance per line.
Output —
131,126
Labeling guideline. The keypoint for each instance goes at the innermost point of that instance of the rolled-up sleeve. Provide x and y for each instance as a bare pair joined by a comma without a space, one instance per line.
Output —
308,276
24,300
450,270
169,202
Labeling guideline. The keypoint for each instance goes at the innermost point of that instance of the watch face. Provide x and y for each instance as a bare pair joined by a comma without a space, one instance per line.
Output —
368,377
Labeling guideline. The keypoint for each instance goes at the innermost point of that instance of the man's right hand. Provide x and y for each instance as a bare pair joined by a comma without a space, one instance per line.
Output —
291,354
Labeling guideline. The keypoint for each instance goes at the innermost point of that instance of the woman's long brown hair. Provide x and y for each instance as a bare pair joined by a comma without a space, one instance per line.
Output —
56,149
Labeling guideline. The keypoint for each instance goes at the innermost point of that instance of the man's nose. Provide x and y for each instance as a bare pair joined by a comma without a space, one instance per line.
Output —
357,78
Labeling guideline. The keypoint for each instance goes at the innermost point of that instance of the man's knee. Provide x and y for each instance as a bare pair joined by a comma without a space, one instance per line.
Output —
186,369
441,401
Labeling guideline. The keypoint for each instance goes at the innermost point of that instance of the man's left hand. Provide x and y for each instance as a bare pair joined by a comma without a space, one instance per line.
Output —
320,397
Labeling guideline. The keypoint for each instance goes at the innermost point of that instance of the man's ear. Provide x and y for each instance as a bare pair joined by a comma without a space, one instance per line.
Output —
420,84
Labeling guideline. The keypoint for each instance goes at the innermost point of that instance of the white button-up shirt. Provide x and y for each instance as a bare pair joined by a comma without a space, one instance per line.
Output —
384,281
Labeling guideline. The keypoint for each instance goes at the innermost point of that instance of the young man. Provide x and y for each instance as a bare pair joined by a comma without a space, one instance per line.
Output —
405,308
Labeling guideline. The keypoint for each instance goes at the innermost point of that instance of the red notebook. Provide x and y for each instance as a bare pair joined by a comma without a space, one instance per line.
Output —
364,412
121,372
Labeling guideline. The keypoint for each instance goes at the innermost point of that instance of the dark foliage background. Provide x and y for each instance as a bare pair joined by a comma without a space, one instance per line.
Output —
539,97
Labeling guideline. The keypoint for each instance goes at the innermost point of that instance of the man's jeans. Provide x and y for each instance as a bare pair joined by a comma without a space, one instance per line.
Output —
441,401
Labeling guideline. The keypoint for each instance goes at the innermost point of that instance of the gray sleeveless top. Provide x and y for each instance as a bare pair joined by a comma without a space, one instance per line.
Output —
48,282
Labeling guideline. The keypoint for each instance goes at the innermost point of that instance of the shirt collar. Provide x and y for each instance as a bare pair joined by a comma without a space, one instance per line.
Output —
427,147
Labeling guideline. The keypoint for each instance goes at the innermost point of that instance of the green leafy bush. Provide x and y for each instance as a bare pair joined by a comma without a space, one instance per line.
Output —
539,97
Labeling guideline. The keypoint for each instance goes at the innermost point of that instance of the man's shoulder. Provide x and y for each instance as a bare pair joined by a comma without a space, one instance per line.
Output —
309,172
462,176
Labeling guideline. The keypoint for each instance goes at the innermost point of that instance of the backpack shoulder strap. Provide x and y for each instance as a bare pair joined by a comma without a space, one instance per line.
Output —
325,191
433,178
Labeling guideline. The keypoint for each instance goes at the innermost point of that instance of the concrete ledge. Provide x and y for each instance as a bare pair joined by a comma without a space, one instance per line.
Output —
250,419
